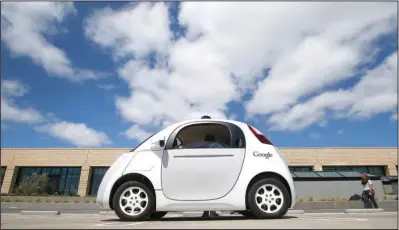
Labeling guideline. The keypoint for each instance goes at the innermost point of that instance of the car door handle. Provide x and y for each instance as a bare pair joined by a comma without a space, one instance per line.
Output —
203,156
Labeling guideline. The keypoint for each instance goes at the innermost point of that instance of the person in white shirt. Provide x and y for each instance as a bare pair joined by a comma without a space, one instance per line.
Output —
368,191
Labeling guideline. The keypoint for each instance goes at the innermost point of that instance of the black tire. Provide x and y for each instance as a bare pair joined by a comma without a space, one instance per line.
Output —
158,215
252,203
149,209
247,214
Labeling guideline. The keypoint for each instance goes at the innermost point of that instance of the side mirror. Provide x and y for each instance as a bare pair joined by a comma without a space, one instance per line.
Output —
157,145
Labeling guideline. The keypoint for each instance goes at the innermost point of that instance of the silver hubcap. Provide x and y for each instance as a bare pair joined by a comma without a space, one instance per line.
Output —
133,201
269,198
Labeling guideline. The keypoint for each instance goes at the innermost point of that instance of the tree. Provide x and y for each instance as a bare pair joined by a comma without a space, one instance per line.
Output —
33,185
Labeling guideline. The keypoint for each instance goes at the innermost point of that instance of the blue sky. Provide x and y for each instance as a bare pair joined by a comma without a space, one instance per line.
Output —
108,74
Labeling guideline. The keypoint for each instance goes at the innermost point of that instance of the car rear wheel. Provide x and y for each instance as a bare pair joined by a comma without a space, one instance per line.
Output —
133,201
268,199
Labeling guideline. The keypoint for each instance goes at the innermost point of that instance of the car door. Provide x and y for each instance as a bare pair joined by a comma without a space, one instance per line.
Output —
195,169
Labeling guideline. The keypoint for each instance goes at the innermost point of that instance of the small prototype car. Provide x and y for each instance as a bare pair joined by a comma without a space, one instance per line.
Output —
199,165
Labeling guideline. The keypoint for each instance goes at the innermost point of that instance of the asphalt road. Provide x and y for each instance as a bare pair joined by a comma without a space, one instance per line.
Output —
177,221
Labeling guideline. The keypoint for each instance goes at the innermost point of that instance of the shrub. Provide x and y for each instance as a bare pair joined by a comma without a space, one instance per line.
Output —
32,185
390,197
76,201
311,199
299,199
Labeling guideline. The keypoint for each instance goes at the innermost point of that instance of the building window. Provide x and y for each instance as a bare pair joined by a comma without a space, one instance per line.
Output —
97,175
3,172
375,170
63,181
301,168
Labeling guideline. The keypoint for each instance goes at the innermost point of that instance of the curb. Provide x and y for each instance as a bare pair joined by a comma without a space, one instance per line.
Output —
41,213
295,212
192,214
106,213
364,210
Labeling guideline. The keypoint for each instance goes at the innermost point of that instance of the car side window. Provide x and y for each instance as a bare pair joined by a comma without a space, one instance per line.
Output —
238,137
205,135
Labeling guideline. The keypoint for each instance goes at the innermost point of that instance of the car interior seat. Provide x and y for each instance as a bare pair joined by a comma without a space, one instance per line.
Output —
210,138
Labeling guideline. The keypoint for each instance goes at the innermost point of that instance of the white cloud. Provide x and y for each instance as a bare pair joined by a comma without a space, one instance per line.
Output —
394,116
11,112
305,46
135,132
24,27
375,93
315,135
144,28
107,86
76,133
11,89
340,131
323,123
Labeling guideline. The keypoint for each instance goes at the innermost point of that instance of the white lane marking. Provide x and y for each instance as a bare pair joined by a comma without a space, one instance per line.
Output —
132,224
174,216
80,214
332,218
118,224
12,207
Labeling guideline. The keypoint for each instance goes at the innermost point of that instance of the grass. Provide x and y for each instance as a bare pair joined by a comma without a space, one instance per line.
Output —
338,199
47,199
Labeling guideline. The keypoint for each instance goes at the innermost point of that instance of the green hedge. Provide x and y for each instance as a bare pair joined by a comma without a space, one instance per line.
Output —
337,199
48,199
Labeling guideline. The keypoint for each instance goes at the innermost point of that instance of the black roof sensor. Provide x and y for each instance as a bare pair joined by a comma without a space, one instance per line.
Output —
206,117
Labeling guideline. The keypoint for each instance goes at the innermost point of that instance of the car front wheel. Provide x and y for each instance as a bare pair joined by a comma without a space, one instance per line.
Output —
133,201
268,199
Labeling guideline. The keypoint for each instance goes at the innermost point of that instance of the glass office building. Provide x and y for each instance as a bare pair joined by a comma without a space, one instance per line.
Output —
374,170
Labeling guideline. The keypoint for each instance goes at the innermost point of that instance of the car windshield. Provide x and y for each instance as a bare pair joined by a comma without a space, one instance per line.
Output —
132,150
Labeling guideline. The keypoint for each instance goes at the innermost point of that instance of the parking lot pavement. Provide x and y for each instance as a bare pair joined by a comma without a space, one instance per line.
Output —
173,221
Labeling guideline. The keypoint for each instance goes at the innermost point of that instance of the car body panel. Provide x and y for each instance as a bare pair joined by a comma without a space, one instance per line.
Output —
200,174
111,176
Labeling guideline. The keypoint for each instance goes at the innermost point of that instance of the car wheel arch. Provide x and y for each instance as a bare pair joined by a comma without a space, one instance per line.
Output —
264,175
130,177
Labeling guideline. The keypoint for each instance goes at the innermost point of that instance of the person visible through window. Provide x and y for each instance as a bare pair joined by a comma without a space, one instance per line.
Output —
368,192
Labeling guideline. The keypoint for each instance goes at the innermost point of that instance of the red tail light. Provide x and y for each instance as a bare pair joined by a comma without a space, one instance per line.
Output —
260,136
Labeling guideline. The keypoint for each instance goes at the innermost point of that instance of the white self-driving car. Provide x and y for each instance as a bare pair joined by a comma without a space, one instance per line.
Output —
199,165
